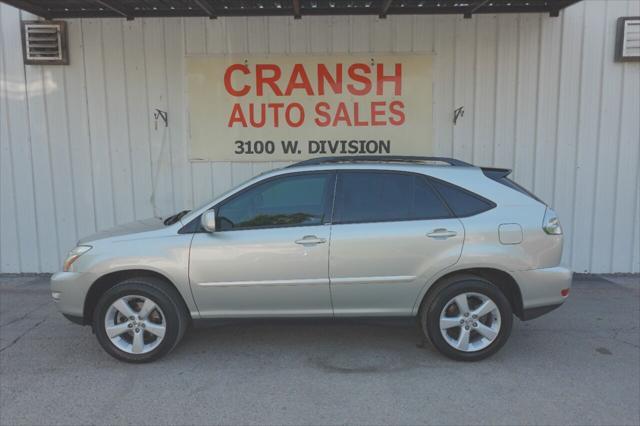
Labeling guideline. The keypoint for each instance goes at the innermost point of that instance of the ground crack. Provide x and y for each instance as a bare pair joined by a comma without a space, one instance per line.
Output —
17,339
617,332
25,315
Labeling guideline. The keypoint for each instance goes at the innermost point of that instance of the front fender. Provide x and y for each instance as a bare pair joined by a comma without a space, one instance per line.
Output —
167,256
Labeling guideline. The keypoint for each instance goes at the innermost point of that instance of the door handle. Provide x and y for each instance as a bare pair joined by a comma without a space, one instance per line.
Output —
310,240
441,233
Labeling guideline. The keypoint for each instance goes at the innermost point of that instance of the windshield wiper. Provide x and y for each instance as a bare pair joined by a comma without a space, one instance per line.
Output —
176,217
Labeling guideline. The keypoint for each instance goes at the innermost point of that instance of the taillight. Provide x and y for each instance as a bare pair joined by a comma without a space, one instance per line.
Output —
551,223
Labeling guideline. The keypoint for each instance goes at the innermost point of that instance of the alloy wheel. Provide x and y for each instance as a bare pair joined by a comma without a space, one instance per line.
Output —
135,324
470,322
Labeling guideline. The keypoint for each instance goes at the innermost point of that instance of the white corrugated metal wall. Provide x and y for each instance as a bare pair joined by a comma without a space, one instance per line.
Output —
80,152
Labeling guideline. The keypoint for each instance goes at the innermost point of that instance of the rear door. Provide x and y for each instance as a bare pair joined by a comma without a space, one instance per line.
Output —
391,232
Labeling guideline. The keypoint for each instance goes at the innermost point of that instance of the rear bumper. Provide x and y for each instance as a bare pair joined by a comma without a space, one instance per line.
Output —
541,289
531,313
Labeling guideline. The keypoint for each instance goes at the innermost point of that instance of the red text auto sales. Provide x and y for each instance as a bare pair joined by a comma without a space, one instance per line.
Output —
278,86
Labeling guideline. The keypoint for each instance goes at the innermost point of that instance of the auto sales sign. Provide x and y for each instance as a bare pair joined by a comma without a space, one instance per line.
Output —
271,108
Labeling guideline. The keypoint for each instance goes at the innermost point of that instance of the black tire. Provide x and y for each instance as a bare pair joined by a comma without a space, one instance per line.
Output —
438,299
164,296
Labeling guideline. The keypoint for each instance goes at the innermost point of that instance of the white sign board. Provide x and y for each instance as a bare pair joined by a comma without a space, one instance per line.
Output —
271,108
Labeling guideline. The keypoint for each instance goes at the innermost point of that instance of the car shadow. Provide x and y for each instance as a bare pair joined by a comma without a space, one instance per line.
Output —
341,346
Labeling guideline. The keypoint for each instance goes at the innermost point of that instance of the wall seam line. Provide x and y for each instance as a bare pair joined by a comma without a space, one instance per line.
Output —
516,127
576,154
107,117
536,119
152,200
598,144
51,176
495,91
557,132
74,187
168,128
11,152
33,180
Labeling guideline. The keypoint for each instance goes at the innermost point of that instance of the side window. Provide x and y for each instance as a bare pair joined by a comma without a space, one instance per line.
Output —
462,202
383,197
427,203
297,200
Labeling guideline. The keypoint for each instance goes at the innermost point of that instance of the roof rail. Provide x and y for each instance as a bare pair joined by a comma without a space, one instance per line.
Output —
381,159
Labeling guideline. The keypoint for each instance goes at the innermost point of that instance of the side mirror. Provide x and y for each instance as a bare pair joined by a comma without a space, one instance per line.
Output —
208,220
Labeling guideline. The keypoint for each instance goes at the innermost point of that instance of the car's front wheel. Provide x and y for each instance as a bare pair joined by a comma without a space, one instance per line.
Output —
467,318
140,319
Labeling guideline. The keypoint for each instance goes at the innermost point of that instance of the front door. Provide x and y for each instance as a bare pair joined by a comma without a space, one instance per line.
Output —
269,254
391,232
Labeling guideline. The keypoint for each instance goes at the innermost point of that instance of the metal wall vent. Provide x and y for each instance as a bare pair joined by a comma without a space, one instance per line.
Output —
44,43
628,39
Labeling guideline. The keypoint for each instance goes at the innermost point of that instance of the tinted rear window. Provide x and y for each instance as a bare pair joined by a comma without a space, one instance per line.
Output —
462,202
500,176
511,184
383,196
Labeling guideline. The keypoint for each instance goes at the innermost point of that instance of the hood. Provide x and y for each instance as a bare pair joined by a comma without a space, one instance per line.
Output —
131,228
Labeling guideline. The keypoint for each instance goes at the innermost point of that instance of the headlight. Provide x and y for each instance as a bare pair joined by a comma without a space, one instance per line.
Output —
73,255
551,223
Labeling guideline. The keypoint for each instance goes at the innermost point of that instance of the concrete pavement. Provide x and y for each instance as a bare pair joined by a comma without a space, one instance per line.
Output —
577,365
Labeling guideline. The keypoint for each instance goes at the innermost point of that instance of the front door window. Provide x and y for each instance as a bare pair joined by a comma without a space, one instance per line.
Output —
298,200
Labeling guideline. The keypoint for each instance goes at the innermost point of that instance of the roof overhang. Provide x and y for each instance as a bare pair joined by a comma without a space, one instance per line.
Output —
130,9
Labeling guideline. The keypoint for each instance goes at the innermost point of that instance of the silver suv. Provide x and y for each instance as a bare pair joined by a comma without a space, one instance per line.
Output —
458,247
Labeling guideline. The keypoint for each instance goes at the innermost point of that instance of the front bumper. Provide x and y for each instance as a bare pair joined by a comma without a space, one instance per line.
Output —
541,289
69,291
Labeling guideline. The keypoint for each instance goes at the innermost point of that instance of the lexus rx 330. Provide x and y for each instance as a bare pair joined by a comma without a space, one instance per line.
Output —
460,248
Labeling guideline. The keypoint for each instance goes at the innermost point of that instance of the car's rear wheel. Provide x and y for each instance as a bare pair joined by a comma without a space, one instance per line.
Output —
140,319
467,318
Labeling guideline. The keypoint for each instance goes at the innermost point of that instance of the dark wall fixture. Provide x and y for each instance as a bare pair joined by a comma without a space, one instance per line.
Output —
45,43
628,39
